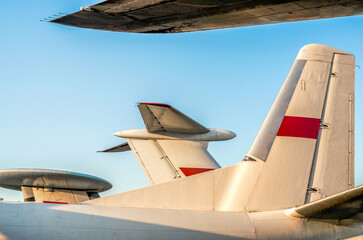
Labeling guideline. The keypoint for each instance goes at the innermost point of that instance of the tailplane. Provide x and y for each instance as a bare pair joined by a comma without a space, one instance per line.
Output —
172,146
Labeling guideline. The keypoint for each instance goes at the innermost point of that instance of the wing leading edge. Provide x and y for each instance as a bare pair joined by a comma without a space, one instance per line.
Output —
119,148
170,16
338,206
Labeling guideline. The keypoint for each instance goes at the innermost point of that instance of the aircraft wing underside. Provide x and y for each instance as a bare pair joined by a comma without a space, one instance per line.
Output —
338,206
119,148
169,16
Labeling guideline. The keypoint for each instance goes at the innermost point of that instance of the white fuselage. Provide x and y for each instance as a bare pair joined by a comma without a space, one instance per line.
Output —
52,221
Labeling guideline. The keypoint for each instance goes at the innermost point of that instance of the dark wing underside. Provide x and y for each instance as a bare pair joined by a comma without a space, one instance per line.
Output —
119,148
168,16
339,206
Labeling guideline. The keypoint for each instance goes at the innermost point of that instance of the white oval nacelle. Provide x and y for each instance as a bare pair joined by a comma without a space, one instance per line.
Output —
212,135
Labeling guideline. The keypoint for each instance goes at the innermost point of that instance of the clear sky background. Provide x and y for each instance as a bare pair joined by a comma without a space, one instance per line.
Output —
64,91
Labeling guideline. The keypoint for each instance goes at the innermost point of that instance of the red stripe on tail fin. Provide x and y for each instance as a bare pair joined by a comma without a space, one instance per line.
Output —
302,127
192,171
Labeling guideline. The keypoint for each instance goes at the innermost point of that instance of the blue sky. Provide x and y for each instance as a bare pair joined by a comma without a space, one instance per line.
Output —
64,91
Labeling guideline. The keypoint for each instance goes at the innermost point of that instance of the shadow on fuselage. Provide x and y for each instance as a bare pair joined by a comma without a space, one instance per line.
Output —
51,221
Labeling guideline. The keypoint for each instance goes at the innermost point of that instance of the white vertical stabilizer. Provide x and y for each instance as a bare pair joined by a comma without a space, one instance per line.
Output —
291,159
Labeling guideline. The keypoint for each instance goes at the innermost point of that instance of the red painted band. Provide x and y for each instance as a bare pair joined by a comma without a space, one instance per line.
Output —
302,127
55,202
156,104
192,171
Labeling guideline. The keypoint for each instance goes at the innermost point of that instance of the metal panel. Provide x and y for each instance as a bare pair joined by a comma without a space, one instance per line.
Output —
233,186
308,100
154,163
188,154
28,194
151,122
62,196
275,226
47,221
192,193
226,189
161,160
335,153
285,175
164,118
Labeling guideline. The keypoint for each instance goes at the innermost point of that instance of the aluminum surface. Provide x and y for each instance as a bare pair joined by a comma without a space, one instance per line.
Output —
170,16
15,178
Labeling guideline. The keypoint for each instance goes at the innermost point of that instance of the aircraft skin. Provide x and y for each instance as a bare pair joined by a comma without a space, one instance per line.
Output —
295,183
51,221
173,16
172,146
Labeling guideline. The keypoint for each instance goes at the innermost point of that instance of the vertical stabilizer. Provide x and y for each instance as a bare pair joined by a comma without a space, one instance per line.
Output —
288,141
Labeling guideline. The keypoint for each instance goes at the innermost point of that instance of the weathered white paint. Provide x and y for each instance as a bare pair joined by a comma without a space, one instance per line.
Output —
48,221
212,135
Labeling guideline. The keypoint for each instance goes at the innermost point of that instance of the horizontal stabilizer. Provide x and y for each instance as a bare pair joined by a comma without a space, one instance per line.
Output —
119,148
164,118
339,206
172,146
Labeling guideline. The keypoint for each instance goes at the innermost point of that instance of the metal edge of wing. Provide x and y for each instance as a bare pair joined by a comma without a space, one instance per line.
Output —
119,148
314,209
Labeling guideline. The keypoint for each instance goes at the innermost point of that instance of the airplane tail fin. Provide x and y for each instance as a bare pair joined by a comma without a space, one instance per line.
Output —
307,139
172,146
